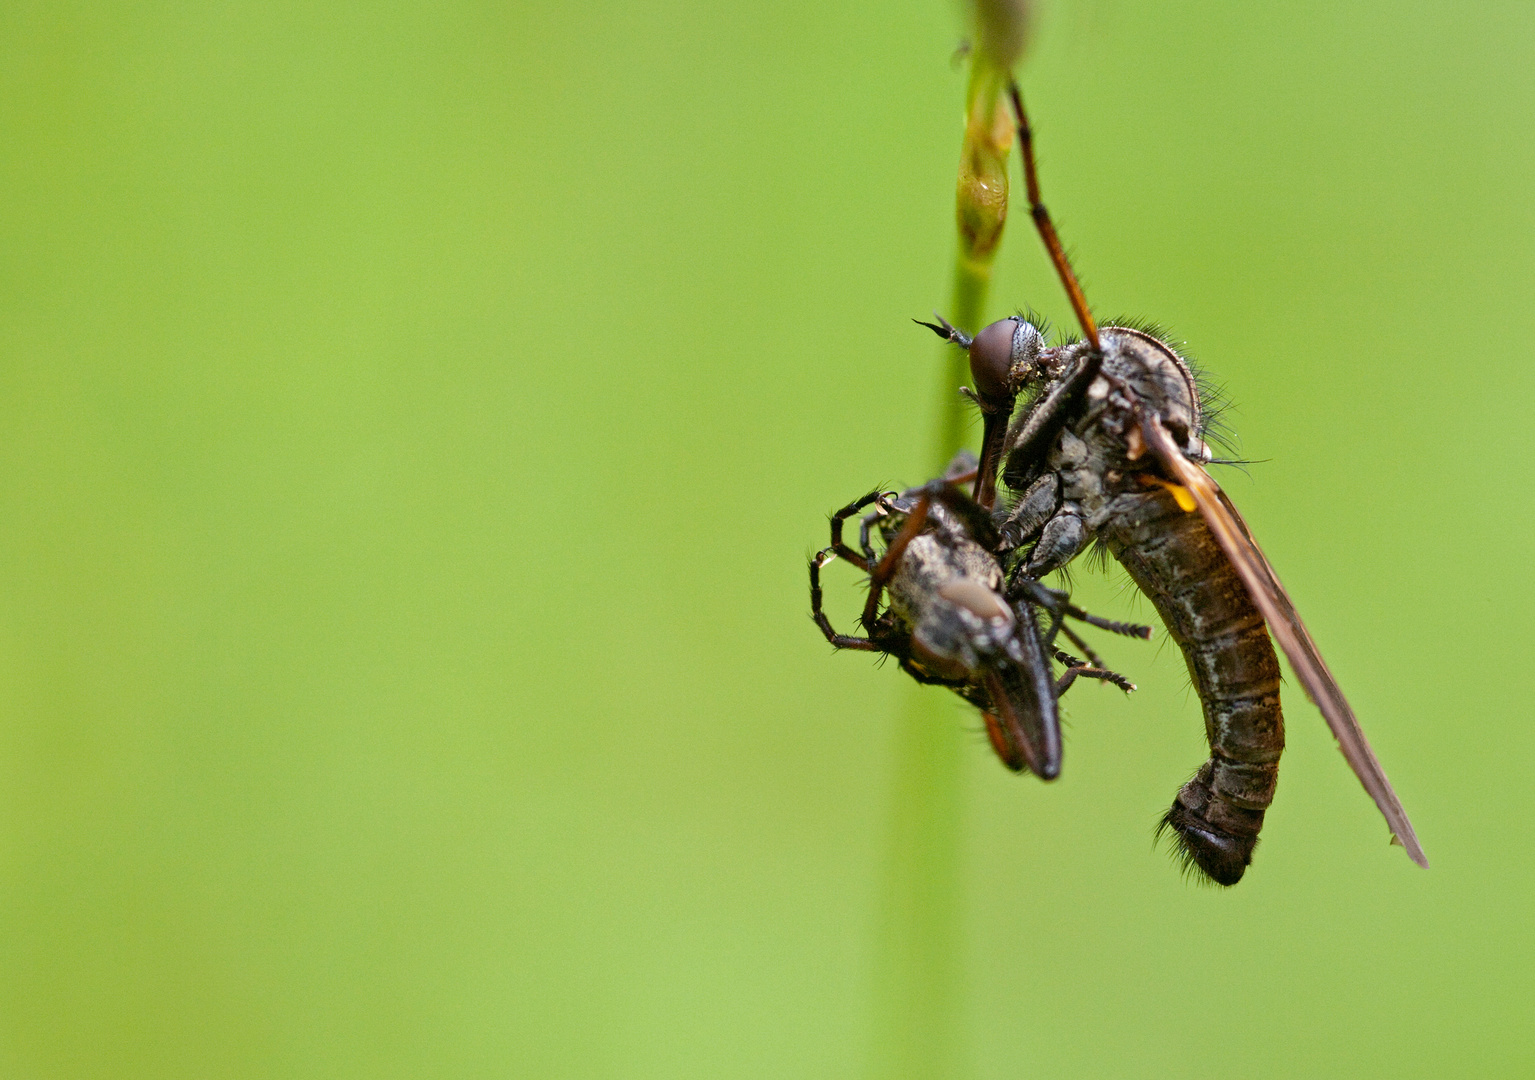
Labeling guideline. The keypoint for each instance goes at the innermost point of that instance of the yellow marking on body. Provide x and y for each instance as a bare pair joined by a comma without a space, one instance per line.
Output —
1182,495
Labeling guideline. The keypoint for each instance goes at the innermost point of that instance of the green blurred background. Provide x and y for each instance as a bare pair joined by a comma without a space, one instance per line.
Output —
413,422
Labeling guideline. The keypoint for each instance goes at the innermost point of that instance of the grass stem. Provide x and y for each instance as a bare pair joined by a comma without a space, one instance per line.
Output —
920,985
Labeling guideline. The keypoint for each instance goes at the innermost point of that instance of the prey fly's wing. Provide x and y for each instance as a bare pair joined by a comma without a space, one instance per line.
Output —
1231,532
1024,721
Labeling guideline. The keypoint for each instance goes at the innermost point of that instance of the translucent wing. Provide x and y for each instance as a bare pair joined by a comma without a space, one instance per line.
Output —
1024,721
1230,531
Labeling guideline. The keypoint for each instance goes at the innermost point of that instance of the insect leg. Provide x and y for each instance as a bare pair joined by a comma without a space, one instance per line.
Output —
1076,668
842,550
1022,584
864,528
1043,223
1062,539
1028,442
881,572
841,641
1071,636
1057,624
1037,505
1093,663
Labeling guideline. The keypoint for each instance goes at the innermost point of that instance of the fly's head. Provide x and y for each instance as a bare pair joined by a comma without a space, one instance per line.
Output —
1006,357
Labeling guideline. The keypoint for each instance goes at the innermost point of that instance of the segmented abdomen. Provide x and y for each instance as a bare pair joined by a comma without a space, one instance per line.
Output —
1176,562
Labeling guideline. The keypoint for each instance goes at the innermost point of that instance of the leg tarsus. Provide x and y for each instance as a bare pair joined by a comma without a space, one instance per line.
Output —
1087,650
1076,669
864,528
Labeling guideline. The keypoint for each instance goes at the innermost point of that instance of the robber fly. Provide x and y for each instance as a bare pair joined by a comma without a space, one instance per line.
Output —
1109,448
953,620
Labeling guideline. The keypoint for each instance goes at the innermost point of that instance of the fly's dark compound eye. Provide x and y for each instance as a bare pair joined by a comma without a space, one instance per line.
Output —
997,351
991,358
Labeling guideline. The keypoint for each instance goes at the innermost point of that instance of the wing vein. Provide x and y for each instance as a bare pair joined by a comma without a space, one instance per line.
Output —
1232,534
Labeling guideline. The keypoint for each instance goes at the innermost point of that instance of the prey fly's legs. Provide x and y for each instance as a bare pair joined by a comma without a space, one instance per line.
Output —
840,641
840,550
864,562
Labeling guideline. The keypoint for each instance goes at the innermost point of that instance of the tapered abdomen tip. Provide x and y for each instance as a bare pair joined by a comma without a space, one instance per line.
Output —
1217,855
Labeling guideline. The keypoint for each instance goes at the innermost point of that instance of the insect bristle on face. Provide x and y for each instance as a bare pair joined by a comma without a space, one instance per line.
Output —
1108,449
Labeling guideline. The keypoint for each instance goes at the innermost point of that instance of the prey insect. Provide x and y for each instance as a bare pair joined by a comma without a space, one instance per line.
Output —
1109,448
953,619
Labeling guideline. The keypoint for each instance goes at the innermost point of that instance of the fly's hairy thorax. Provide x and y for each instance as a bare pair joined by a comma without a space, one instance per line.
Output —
1099,458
